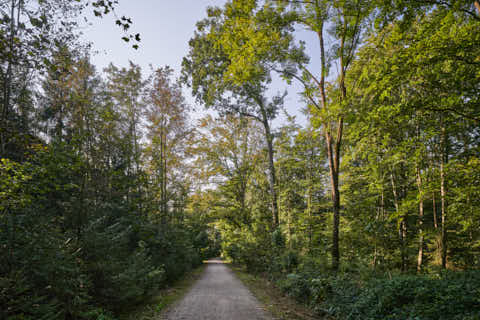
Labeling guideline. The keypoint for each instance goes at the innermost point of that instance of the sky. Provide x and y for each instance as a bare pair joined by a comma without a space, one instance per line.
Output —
165,27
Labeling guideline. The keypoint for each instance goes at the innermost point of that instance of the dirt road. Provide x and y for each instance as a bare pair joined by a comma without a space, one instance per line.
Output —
218,295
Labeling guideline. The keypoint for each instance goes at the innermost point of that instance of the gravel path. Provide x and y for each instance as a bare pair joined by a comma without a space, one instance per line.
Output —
218,295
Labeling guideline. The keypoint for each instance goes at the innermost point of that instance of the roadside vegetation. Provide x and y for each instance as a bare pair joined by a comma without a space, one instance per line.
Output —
273,299
162,300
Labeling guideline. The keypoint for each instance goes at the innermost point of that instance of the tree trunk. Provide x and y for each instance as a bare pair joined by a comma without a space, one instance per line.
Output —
8,76
402,228
333,147
7,83
443,193
309,203
272,181
477,5
162,162
165,177
420,222
420,207
335,196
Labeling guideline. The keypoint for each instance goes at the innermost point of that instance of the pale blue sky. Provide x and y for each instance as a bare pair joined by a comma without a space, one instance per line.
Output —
165,27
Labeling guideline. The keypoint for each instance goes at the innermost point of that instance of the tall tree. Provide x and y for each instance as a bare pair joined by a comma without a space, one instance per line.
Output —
345,21
168,132
126,86
222,79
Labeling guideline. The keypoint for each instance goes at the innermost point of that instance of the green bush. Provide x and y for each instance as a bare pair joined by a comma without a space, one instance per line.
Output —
452,295
449,296
297,286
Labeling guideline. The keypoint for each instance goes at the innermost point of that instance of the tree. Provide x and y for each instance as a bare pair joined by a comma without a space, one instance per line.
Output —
347,20
126,87
168,132
232,85
29,33
228,149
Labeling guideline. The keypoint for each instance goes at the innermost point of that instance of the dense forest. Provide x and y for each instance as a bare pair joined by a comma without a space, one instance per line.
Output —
110,189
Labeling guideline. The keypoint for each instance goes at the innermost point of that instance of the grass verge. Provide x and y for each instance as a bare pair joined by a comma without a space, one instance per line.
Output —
158,303
279,305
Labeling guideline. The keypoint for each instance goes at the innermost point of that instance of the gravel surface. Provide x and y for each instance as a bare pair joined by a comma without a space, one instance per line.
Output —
218,295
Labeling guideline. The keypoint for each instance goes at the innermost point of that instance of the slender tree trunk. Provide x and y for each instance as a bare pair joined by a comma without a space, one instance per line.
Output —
375,240
289,226
443,194
336,155
434,205
271,167
332,146
420,221
402,228
309,203
404,224
135,138
8,77
443,240
404,244
163,211
335,196
420,207
378,217
165,176
7,82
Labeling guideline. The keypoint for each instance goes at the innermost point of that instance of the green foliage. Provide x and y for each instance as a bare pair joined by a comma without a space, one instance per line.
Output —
296,286
278,239
449,295
79,235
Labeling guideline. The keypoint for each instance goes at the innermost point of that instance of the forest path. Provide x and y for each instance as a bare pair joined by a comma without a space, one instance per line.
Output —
218,295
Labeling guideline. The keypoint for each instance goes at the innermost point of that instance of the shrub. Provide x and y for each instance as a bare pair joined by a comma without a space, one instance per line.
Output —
296,286
451,295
